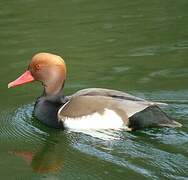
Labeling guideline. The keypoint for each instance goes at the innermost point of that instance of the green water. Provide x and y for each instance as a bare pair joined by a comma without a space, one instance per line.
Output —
139,46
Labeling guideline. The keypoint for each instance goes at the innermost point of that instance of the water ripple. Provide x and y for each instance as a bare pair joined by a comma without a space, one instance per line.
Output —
18,125
142,153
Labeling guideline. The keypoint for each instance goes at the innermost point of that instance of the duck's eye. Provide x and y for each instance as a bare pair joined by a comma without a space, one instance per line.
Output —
37,67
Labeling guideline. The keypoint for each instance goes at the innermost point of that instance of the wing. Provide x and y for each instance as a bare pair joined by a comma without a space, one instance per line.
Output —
113,94
106,92
80,106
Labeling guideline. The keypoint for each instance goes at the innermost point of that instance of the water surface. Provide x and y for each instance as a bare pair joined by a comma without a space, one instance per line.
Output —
140,47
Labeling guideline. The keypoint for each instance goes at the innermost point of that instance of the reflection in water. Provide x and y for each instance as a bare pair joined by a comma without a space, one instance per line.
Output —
46,158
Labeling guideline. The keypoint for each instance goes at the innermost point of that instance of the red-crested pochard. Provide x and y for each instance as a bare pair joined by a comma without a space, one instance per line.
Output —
92,108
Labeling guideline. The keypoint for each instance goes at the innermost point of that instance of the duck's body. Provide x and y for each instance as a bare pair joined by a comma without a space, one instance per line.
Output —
97,108
92,108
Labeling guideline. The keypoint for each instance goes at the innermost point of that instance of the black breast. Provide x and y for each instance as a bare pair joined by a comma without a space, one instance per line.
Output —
46,111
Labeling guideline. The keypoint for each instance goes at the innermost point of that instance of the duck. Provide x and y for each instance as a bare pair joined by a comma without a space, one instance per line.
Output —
90,108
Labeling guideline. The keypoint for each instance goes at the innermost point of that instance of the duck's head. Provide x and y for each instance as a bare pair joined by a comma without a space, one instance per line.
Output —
50,69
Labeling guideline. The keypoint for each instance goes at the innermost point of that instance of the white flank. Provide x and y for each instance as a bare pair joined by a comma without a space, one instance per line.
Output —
108,120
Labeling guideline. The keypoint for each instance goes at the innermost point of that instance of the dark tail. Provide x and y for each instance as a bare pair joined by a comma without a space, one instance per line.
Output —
172,124
152,116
